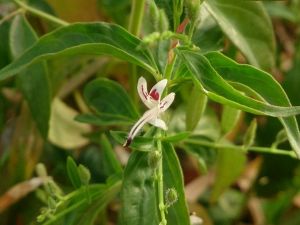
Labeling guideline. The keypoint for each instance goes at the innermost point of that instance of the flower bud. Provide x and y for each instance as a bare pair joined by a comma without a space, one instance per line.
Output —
193,9
40,218
171,196
154,158
51,204
41,170
84,174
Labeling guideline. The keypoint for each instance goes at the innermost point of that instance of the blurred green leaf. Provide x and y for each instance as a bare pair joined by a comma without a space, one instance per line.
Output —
73,173
176,137
262,85
230,164
103,120
195,108
139,143
280,10
80,210
110,159
173,178
109,98
64,131
139,204
210,72
33,81
249,136
84,38
230,117
258,46
4,44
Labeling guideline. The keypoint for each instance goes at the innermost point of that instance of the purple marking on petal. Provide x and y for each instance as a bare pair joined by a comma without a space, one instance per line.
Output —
163,105
154,94
143,91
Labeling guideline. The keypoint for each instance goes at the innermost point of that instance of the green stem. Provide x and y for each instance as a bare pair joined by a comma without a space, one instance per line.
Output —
41,13
241,147
11,15
160,185
134,27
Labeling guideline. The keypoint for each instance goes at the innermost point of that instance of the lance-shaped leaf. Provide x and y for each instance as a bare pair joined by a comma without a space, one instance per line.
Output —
262,84
173,178
139,205
33,81
109,99
238,19
221,91
84,38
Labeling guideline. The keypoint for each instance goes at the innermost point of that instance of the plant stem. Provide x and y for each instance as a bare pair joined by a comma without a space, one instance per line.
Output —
41,13
160,185
134,27
241,147
9,16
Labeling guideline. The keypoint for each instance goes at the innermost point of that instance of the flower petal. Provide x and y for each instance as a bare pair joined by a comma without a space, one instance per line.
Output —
166,102
143,92
157,89
159,123
148,116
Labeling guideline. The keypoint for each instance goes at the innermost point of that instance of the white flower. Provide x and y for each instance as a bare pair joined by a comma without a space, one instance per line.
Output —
156,106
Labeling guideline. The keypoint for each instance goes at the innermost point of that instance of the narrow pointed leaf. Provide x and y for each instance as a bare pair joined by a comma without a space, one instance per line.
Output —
173,178
139,205
239,20
225,174
261,83
33,81
84,38
221,91
109,98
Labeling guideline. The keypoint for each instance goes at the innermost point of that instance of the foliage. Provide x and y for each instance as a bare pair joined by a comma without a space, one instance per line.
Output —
69,85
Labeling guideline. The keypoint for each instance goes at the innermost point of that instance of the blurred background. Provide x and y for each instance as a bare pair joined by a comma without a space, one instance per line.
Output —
265,188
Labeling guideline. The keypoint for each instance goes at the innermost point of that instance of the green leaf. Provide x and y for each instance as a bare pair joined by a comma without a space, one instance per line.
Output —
176,137
80,210
103,120
73,173
4,44
84,38
263,85
173,178
33,81
249,136
113,165
139,143
225,174
64,131
221,91
109,98
258,46
139,205
230,117
195,108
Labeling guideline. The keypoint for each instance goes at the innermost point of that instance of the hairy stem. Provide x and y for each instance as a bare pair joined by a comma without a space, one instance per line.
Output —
41,14
241,147
160,185
134,27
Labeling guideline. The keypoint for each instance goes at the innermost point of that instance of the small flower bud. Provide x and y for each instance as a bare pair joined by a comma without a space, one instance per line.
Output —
84,174
163,23
171,196
154,158
51,204
41,170
40,218
193,9
154,14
